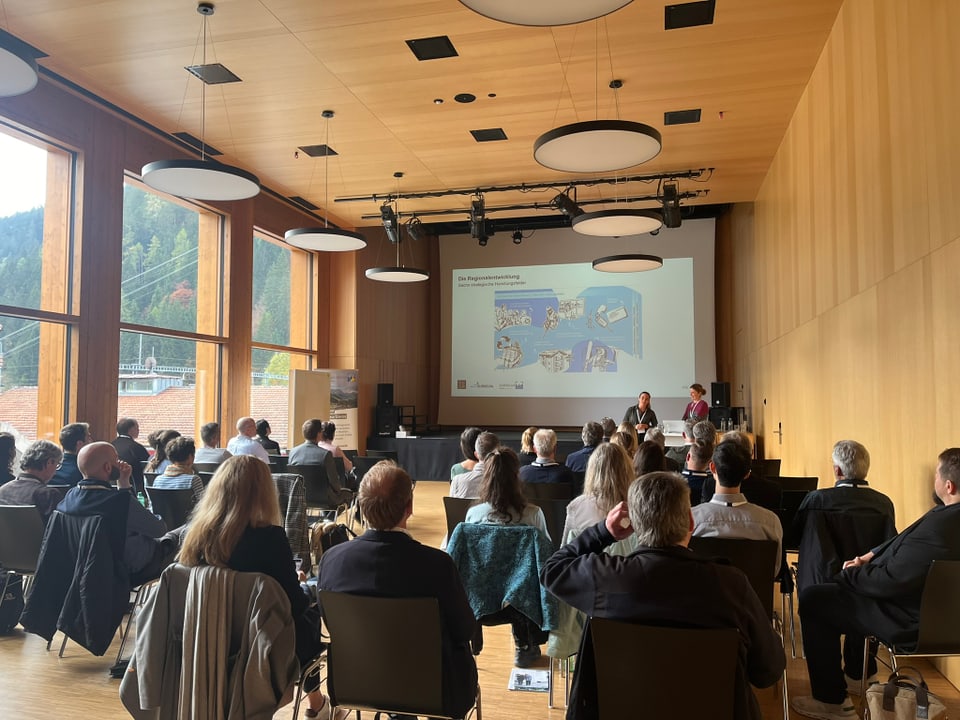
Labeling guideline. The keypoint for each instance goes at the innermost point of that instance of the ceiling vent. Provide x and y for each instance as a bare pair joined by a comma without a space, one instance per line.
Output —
681,117
689,14
322,150
213,73
489,134
432,48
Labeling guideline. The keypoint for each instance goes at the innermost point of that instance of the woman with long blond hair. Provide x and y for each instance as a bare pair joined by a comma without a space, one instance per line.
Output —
237,525
609,474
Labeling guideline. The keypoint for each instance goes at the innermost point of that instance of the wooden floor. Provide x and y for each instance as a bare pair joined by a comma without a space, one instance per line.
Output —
35,683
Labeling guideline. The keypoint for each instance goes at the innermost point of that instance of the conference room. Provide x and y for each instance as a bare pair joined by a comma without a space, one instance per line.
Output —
789,227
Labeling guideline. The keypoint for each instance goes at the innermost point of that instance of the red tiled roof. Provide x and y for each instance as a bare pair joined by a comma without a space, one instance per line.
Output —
171,408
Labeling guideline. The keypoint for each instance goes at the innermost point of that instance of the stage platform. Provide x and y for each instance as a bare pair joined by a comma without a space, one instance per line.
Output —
430,457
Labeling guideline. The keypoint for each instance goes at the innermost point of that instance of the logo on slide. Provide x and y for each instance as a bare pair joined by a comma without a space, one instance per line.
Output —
461,384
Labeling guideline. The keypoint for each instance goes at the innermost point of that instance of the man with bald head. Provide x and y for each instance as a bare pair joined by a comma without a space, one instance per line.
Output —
144,553
385,561
245,442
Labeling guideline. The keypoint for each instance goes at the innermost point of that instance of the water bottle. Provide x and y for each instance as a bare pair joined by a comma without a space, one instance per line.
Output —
142,499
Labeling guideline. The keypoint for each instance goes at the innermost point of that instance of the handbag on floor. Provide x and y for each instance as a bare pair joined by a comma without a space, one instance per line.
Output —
903,697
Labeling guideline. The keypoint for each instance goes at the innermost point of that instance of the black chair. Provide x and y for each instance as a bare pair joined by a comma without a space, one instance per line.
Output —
206,477
21,535
384,455
173,505
636,669
317,488
794,490
547,491
578,478
363,463
939,632
455,509
149,477
351,454
278,463
555,513
371,663
205,468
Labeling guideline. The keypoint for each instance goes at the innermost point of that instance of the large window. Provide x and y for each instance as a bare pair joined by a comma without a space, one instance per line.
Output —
35,283
170,313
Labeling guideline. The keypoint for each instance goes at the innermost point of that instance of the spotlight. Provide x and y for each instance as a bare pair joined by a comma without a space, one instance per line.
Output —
477,212
415,228
671,205
482,240
517,237
568,207
389,219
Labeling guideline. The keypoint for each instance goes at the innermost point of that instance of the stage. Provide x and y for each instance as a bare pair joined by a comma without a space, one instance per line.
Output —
430,457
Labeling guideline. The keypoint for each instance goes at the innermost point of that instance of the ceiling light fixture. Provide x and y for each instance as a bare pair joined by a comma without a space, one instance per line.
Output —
517,236
397,273
566,205
617,223
632,262
18,66
202,179
544,13
326,238
598,145
415,228
671,205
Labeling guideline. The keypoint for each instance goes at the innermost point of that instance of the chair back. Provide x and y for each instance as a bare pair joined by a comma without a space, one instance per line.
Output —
205,467
205,477
384,455
173,505
341,469
579,476
794,490
771,467
555,513
939,631
646,658
293,507
21,534
455,508
828,538
546,491
756,558
149,478
278,463
371,663
363,463
316,484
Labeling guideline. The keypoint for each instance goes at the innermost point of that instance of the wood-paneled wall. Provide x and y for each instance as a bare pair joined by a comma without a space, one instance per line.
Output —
842,320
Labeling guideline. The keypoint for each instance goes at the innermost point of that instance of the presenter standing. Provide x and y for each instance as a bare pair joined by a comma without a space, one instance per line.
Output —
697,405
641,414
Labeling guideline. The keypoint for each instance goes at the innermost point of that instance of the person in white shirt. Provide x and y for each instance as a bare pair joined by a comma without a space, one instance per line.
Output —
210,453
245,442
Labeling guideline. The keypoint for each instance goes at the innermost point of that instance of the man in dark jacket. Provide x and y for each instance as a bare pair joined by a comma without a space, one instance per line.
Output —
661,583
129,450
877,593
385,561
546,469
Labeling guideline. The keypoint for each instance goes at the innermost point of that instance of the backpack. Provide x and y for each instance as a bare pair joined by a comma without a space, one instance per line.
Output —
324,535
11,603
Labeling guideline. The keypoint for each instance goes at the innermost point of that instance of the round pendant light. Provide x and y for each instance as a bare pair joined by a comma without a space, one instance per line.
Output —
544,13
617,223
18,66
597,146
325,239
397,274
628,263
200,180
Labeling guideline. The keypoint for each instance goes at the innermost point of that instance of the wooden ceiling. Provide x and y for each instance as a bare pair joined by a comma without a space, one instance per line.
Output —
296,58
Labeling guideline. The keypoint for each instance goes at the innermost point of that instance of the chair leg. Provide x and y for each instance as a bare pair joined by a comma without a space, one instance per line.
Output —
130,617
62,645
550,684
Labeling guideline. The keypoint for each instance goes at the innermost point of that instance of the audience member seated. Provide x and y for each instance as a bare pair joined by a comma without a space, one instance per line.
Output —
263,437
641,415
502,503
467,485
860,518
159,462
546,469
210,452
759,491
609,475
72,437
649,458
662,583
678,453
8,453
386,561
245,442
129,450
655,434
627,439
237,525
728,513
528,452
876,593
310,453
179,474
609,427
38,465
697,470
328,431
468,442
146,550
591,435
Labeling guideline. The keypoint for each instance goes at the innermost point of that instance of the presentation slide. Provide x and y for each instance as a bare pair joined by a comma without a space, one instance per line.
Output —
531,334
569,331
